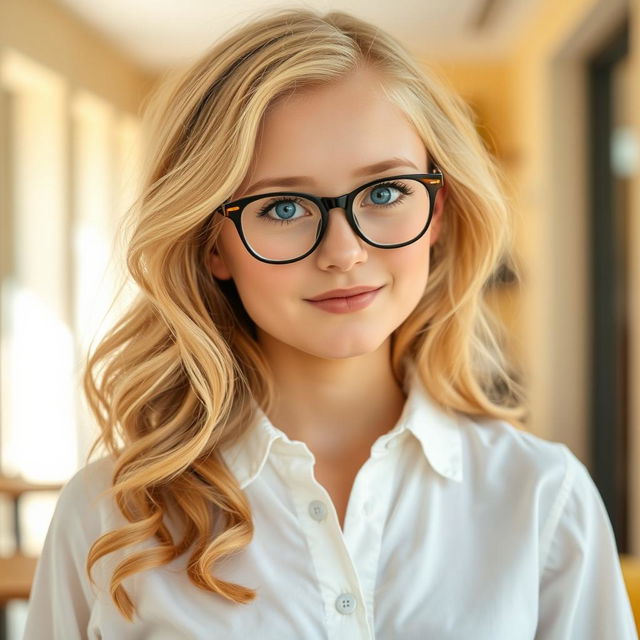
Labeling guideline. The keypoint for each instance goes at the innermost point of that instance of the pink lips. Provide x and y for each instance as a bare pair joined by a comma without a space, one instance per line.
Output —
345,300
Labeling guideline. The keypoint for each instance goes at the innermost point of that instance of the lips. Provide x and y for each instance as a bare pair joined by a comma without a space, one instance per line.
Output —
342,293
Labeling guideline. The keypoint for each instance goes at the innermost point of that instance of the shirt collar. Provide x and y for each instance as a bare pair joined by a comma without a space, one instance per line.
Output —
437,429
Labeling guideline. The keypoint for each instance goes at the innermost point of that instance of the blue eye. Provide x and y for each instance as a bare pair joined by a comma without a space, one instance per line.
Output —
282,210
381,195
388,194
285,210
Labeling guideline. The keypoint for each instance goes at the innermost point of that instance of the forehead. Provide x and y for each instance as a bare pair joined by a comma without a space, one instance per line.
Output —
327,132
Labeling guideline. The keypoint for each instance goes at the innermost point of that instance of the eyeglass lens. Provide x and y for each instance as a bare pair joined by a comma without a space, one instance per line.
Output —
286,227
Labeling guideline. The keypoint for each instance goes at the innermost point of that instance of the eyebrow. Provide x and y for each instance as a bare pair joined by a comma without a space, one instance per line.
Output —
296,181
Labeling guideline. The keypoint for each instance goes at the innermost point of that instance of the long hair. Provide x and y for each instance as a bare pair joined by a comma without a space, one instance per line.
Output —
179,375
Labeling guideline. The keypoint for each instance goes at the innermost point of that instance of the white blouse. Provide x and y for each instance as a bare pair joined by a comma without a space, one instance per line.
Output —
456,529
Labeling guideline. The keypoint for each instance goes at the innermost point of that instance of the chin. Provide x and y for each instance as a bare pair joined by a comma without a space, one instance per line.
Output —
343,348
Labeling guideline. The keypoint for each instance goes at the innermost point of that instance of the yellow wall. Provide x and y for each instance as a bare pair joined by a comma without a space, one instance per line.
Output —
488,88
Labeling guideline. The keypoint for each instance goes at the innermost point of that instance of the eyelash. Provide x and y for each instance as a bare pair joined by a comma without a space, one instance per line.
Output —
402,188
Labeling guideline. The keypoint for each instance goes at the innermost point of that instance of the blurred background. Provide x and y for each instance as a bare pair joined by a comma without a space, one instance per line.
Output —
556,92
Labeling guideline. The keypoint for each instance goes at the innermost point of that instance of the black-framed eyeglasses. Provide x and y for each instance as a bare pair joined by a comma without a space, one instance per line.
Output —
286,226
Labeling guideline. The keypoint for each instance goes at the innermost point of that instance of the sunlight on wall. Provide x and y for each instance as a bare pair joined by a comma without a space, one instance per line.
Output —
92,121
38,419
104,182
71,171
40,439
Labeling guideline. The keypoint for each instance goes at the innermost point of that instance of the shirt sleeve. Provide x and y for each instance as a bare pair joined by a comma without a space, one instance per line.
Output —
61,596
582,591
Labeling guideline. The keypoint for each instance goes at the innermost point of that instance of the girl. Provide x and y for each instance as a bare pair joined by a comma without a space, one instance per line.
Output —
301,412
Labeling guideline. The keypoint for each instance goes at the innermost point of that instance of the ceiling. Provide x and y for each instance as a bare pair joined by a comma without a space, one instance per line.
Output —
158,34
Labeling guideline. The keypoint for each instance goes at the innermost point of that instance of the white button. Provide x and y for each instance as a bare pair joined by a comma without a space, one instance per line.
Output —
346,603
317,510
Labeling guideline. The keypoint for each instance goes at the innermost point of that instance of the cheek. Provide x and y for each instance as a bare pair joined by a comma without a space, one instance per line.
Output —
263,289
412,274
411,264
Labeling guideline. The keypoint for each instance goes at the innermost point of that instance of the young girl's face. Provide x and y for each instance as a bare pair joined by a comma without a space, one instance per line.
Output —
329,134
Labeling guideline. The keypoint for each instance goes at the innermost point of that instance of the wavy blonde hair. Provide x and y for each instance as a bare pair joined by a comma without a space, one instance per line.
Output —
178,376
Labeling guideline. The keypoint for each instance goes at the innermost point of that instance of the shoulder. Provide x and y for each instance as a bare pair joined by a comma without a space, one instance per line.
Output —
87,484
508,464
83,502
546,476
497,449
87,508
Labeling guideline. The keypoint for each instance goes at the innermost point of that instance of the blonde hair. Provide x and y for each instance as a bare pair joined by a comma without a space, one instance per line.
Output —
179,375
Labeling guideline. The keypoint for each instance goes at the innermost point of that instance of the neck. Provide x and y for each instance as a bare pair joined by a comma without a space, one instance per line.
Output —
335,406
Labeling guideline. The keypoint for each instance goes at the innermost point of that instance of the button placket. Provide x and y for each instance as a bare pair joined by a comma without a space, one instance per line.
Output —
331,558
363,536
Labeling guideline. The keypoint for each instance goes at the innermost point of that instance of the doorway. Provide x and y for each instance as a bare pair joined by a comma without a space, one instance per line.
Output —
609,229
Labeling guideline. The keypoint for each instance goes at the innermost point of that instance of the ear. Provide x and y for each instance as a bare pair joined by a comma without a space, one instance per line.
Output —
218,265
436,218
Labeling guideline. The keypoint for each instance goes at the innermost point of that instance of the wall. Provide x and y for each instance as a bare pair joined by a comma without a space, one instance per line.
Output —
69,103
48,34
488,88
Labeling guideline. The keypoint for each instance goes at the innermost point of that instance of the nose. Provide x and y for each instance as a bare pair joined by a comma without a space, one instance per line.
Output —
341,248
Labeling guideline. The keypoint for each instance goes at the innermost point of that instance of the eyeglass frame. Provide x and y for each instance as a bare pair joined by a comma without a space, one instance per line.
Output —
433,182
